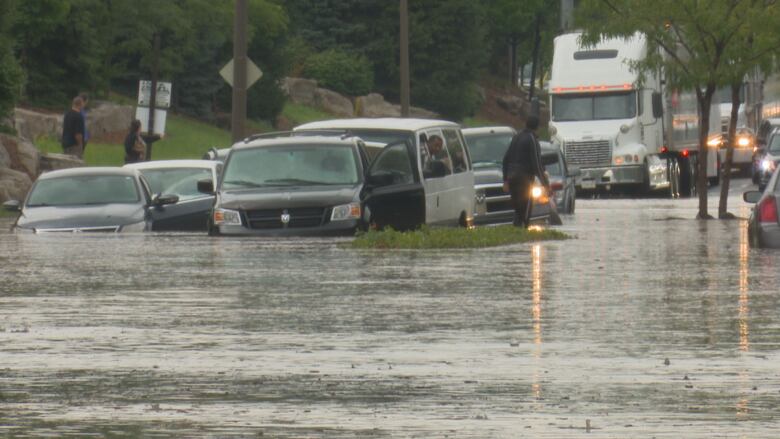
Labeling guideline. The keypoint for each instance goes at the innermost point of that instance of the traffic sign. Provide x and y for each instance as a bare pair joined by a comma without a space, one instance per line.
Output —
253,73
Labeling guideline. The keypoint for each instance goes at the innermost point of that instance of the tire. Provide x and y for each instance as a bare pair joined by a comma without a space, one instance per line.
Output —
674,178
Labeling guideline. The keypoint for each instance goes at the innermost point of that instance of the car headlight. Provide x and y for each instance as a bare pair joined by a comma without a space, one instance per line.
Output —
134,228
768,165
226,217
346,212
743,142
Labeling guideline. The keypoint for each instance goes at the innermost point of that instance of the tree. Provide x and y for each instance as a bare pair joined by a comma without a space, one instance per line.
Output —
10,72
690,40
753,51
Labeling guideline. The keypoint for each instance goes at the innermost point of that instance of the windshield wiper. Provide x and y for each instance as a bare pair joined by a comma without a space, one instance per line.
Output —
244,183
296,181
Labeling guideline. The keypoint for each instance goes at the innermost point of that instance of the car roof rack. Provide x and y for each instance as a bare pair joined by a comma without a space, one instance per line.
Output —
343,134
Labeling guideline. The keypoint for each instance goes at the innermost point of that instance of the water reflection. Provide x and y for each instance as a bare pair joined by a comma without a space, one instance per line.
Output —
536,314
744,250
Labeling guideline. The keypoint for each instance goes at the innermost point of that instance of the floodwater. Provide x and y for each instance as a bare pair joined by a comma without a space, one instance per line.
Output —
648,325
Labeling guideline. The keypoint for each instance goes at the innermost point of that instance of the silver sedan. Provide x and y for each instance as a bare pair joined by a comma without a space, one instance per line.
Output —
764,223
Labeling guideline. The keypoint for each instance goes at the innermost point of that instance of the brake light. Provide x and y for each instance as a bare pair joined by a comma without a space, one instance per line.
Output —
685,153
664,149
767,210
556,186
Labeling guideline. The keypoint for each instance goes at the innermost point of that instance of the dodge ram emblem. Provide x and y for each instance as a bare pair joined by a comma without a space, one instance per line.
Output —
285,218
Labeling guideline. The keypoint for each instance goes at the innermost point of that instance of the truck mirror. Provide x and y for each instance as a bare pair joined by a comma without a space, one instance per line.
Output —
658,105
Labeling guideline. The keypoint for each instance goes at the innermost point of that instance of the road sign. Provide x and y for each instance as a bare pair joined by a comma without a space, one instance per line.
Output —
253,73
163,97
160,117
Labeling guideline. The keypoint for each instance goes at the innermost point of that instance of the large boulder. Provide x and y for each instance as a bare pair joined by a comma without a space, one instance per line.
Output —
54,161
106,118
14,185
300,90
421,113
374,105
333,102
21,155
32,125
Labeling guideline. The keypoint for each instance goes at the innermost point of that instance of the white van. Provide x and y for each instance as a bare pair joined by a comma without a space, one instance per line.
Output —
404,174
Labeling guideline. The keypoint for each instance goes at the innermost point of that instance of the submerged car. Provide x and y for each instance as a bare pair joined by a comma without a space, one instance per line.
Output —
488,146
769,160
90,200
180,178
437,167
764,221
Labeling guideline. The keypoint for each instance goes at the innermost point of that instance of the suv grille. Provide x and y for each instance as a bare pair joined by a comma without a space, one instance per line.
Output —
589,153
299,217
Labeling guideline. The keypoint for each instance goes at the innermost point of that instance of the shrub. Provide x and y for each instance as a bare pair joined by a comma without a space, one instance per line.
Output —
341,72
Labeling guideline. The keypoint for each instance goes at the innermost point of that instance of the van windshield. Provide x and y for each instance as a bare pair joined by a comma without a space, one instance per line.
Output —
291,165
600,106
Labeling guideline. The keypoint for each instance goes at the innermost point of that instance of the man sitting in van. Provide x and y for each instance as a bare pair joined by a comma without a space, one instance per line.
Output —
436,158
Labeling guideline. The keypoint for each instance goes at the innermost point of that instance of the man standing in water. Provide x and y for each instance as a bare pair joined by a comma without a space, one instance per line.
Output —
522,164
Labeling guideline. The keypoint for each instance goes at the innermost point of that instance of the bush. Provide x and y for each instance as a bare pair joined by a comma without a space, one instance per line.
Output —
10,81
341,72
438,238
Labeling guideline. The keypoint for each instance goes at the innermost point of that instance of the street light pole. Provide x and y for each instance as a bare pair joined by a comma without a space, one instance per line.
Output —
238,114
404,58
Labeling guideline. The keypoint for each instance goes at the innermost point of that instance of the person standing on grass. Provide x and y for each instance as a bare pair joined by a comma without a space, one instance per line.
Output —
135,147
85,100
73,129
522,164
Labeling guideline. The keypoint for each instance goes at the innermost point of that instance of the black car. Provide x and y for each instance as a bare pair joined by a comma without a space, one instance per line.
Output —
91,200
769,160
313,185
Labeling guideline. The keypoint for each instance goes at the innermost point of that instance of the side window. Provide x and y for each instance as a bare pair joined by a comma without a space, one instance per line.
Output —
456,150
392,166
147,191
435,159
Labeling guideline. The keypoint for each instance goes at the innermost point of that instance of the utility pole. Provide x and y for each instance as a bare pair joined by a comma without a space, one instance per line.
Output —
405,58
238,114
150,136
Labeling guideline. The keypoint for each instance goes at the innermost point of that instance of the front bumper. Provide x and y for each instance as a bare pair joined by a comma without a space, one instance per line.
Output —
332,228
497,207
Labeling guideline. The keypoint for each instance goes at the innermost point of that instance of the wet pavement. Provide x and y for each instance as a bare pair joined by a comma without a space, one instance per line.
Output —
649,325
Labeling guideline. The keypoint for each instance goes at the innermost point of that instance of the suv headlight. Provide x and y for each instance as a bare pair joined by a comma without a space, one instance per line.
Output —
346,212
226,217
768,165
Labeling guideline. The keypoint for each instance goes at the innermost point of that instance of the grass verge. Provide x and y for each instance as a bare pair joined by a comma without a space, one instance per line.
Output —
439,238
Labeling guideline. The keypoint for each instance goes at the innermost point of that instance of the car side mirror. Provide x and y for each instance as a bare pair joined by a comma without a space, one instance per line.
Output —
162,200
752,197
380,179
12,206
658,105
435,169
574,171
206,186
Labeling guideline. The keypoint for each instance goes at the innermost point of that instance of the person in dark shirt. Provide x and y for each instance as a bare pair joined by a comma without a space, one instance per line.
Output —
522,164
73,129
135,147
85,103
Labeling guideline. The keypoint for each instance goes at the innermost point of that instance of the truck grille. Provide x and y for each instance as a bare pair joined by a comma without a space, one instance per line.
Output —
299,217
589,153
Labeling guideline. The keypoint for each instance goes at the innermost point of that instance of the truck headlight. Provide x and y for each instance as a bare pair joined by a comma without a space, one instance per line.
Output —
346,212
768,165
227,217
743,142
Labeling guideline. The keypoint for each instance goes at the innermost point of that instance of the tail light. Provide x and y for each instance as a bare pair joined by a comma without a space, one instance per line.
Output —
556,186
767,210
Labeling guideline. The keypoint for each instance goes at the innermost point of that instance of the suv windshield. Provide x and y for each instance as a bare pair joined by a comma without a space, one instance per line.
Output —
291,165
84,190
489,149
602,106
774,144
177,181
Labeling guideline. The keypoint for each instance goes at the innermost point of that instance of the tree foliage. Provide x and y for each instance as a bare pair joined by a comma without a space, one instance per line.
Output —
10,72
341,72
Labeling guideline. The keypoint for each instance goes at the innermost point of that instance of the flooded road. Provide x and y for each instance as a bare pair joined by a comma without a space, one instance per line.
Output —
649,325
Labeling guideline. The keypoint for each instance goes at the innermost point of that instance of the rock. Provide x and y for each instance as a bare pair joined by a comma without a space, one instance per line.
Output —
333,102
14,185
300,90
53,161
5,158
514,105
32,125
106,118
374,105
22,155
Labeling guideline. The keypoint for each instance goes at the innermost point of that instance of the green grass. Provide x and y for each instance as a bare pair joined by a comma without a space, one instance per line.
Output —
440,238
299,114
185,139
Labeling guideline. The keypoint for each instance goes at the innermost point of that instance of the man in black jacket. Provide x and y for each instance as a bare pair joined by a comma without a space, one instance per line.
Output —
522,163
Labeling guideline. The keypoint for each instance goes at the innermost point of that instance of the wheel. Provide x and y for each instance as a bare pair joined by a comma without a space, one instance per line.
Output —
674,178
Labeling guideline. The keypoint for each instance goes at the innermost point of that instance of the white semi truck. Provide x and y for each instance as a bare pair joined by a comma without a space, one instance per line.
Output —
624,130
